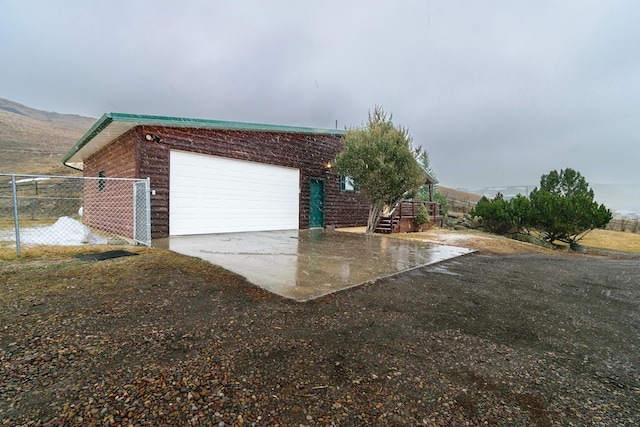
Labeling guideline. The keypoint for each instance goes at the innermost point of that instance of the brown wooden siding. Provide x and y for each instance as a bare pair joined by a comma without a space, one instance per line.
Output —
117,159
108,205
307,152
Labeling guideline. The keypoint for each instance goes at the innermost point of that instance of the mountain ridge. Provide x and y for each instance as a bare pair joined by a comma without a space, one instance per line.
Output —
33,141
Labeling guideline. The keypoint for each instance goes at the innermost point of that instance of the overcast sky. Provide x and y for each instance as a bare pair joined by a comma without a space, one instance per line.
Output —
498,92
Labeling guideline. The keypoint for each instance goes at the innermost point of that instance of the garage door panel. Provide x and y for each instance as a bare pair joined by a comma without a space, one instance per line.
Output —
210,194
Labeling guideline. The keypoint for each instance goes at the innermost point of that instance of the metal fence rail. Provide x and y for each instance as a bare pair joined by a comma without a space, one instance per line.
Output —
63,210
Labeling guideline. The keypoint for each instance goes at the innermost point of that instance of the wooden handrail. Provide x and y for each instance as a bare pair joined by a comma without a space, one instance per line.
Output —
409,209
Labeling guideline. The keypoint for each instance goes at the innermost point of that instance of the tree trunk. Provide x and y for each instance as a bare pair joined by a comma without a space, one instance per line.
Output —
375,212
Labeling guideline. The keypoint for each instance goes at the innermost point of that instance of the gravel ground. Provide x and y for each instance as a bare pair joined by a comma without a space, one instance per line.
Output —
160,339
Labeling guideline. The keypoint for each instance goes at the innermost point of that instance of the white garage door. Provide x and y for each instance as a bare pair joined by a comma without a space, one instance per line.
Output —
209,194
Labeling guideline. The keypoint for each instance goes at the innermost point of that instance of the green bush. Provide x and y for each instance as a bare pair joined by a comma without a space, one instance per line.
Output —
422,216
444,205
495,214
504,216
520,209
562,209
566,218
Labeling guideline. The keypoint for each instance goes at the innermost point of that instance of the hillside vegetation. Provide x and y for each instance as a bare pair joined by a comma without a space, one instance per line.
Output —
34,141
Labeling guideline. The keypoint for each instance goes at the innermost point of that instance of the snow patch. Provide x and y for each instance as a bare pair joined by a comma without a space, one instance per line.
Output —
65,232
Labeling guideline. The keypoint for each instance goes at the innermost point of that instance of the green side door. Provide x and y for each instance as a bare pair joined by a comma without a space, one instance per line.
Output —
316,202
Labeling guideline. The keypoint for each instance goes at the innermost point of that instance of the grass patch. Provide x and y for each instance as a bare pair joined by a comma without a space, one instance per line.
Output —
612,240
491,243
472,239
50,253
49,273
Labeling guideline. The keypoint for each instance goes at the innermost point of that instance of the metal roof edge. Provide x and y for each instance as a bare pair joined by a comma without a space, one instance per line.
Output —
433,179
140,119
166,121
98,127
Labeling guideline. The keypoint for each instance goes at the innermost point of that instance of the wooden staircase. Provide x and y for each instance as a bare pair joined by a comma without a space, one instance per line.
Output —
387,224
401,219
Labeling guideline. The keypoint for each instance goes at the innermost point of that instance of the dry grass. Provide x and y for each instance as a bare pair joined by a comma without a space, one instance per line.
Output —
44,273
472,239
612,240
476,240
52,253
491,243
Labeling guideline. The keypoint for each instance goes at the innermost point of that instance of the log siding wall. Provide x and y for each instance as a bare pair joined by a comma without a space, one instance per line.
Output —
133,156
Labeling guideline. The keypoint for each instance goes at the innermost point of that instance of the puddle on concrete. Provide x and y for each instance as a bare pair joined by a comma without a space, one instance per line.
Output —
307,264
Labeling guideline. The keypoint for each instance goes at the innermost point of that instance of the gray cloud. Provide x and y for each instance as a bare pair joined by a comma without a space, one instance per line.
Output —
498,92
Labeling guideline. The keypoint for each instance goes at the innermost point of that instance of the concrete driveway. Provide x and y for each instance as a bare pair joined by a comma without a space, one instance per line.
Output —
306,264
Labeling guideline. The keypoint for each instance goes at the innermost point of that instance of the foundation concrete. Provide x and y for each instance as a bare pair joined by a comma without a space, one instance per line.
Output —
306,264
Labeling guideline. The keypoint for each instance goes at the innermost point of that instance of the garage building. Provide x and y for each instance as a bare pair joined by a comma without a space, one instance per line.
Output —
211,176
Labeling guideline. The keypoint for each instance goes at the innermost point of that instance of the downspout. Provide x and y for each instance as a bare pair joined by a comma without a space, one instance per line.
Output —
72,167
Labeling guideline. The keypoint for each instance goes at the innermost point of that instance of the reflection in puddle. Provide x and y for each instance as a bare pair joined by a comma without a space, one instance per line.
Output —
306,264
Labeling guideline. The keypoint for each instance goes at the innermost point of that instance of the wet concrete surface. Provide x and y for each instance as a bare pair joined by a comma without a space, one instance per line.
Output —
306,264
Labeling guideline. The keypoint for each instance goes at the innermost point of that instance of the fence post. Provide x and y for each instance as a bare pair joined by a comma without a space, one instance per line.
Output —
148,209
15,212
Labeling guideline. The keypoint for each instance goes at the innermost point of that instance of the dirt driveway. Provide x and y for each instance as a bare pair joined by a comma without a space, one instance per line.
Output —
161,339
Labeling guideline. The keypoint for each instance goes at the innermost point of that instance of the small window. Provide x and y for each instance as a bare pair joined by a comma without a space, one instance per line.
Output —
102,183
347,184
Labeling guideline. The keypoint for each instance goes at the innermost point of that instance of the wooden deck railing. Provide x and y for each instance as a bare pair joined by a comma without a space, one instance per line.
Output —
401,219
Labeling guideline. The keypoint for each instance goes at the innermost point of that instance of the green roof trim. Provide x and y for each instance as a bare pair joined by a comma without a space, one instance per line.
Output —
134,120
98,127
139,119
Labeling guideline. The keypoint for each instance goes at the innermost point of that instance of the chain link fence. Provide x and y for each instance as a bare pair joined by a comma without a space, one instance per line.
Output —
63,210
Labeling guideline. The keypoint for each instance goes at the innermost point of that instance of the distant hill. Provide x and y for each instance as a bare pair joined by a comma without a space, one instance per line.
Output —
34,141
459,201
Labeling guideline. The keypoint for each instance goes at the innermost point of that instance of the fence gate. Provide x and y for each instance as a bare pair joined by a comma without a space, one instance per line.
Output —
142,212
